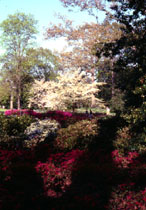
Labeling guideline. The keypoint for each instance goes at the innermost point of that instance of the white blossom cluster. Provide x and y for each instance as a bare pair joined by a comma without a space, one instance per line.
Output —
70,88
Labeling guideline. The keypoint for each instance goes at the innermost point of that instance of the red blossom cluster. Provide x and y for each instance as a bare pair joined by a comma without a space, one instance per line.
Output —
57,171
59,116
125,197
124,161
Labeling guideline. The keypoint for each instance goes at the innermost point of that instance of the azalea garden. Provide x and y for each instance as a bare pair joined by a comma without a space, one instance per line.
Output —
64,160
73,131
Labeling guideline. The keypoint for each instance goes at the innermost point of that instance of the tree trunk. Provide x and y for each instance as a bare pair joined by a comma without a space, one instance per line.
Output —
93,96
113,84
18,96
19,70
93,101
11,100
18,101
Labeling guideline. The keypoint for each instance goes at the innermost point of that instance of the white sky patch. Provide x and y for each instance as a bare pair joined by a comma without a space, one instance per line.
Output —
58,45
54,45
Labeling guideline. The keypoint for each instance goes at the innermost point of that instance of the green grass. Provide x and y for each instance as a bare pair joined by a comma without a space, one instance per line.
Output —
2,110
94,110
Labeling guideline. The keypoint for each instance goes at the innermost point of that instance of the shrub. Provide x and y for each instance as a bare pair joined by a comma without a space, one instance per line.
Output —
108,127
76,117
123,140
14,125
126,140
12,129
57,172
125,196
78,135
39,131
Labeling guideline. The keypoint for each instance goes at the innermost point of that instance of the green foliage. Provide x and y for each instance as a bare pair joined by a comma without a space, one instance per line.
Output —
18,32
108,128
78,135
43,64
123,140
4,94
116,102
18,29
11,126
130,64
126,141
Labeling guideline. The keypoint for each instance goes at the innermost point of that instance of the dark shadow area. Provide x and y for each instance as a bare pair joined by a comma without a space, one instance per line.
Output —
95,172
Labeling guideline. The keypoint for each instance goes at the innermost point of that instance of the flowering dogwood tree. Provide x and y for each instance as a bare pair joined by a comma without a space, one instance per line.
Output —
71,89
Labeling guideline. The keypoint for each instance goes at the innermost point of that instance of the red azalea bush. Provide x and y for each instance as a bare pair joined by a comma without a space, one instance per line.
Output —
131,193
126,197
91,170
57,172
53,114
64,118
124,161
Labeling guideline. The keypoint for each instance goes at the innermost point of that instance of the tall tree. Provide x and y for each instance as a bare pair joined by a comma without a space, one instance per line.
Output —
18,31
43,64
131,59
129,51
5,94
81,41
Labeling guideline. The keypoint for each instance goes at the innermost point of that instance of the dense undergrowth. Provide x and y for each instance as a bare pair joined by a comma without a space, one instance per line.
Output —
65,161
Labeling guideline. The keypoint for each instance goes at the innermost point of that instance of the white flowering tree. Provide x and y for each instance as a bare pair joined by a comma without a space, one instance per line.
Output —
71,89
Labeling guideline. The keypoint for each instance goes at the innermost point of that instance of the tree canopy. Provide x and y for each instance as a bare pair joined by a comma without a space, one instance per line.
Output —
130,63
18,33
71,90
127,52
43,64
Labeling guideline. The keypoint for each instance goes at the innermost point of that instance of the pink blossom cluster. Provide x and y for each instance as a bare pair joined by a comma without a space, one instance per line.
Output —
57,171
59,116
125,197
37,114
124,161
17,111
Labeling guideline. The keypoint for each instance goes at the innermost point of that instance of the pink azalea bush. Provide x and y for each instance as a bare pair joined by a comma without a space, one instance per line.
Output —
56,172
122,161
64,118
125,197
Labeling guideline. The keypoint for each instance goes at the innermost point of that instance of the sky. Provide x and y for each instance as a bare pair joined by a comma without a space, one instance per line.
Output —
43,11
